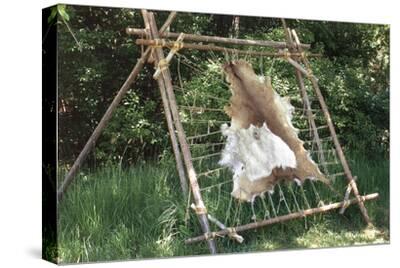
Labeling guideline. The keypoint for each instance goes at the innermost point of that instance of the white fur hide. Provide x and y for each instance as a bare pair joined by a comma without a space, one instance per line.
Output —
252,153
255,152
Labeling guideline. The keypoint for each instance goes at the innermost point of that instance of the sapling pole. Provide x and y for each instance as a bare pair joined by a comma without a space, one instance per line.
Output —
183,45
306,100
216,39
335,139
166,81
279,219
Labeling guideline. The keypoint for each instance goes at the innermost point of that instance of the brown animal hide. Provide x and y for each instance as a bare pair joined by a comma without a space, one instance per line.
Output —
246,190
256,103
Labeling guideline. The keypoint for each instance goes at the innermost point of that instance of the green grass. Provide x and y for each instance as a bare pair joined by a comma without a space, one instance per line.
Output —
118,214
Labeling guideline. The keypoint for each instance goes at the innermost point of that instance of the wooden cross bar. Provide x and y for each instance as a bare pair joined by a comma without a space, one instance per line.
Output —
279,219
216,39
182,45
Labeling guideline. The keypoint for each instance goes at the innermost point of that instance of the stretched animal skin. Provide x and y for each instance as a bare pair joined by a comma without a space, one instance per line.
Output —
254,103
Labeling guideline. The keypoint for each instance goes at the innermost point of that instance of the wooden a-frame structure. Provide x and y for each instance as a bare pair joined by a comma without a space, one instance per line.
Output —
291,50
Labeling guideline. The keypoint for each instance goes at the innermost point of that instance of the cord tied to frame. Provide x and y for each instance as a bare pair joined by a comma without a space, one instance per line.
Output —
164,63
231,233
286,54
158,43
178,44
310,73
211,235
199,210
234,235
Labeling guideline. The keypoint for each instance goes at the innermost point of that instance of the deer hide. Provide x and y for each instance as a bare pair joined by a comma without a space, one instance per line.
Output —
262,145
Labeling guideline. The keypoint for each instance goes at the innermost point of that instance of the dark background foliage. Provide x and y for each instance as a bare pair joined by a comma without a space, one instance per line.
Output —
95,57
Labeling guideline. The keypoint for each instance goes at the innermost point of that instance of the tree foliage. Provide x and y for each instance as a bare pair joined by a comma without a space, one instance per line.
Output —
96,55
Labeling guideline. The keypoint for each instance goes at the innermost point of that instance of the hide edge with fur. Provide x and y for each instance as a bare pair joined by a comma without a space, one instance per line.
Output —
255,105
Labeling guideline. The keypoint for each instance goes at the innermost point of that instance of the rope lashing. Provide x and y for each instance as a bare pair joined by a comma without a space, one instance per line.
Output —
199,209
286,54
211,235
231,230
234,235
158,43
231,233
310,73
163,64
177,45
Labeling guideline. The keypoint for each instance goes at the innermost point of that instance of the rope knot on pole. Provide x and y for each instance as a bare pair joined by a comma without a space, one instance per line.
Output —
178,44
163,63
211,235
158,43
161,66
234,235
310,73
199,209
286,54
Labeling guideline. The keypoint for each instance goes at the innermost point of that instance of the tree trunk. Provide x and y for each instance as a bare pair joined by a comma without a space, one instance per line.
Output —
235,27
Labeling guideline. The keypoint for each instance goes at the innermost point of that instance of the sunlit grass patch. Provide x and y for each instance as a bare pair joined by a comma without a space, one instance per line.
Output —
140,212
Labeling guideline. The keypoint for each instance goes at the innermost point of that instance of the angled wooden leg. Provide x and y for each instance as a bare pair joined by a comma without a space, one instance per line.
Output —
165,82
332,131
100,127
339,151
